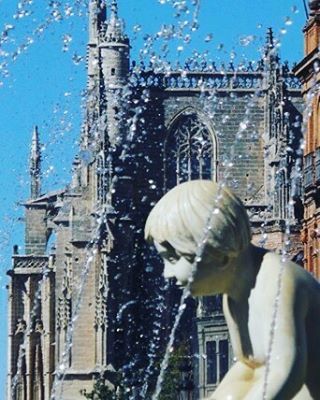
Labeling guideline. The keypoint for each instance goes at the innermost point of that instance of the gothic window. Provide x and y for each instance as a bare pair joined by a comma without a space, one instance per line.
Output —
101,305
102,180
190,151
64,313
101,315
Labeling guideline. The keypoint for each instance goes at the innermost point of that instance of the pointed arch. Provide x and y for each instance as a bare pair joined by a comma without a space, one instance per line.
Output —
190,149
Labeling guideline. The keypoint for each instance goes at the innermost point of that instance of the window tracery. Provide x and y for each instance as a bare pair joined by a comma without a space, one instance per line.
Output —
190,151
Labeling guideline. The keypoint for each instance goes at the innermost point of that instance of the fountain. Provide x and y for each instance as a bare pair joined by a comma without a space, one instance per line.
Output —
147,128
245,275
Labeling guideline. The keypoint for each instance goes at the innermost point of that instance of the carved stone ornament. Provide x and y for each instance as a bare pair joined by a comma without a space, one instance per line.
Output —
21,326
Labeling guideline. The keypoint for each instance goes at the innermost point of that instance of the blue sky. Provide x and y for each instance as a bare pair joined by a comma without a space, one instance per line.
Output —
46,80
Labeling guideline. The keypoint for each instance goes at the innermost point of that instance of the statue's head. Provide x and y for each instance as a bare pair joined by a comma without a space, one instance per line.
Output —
177,225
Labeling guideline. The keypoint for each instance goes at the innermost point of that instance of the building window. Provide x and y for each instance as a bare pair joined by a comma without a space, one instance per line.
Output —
318,164
308,170
310,142
217,356
223,358
211,305
211,352
113,71
190,152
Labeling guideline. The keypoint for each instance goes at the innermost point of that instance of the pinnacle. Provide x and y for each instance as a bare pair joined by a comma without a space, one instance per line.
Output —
114,9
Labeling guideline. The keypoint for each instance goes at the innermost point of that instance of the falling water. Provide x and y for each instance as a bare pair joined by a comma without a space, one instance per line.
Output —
229,163
92,248
297,176
186,293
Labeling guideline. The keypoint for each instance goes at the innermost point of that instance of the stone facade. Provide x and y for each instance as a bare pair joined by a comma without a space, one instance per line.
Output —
307,70
100,278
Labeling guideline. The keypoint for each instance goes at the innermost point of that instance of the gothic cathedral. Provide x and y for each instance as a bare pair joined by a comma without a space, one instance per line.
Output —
87,298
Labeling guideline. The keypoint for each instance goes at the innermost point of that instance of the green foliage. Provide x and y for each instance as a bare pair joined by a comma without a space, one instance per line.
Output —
171,386
172,379
102,392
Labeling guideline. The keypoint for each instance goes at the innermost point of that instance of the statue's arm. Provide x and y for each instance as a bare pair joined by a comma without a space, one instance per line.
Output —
288,361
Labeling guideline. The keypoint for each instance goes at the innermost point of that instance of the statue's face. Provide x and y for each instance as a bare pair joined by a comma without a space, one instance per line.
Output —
210,273
176,265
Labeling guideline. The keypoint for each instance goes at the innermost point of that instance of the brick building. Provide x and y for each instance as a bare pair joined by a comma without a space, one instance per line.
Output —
146,130
308,72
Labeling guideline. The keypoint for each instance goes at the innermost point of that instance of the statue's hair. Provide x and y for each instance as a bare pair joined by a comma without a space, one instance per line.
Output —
181,216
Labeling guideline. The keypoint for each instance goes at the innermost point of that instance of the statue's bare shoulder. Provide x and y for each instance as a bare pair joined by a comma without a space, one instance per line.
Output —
271,304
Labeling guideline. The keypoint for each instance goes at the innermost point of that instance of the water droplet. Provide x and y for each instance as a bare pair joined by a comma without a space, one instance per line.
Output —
77,59
246,40
137,28
288,21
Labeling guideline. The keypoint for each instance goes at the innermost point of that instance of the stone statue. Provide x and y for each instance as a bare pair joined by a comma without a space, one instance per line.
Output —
248,277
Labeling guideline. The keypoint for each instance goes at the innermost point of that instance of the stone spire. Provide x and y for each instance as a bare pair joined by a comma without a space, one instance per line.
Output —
96,27
97,18
114,9
35,165
115,29
115,49
269,46
271,57
115,59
